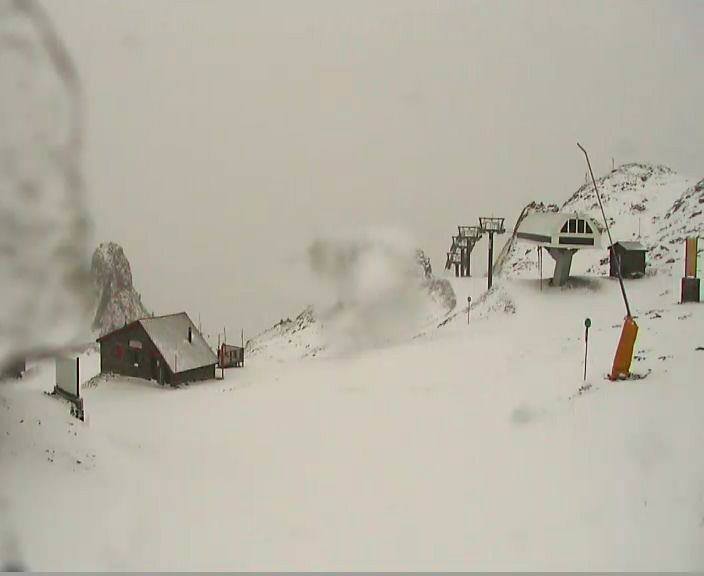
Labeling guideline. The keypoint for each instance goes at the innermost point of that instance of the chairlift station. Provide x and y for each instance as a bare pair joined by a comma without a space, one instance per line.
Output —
561,234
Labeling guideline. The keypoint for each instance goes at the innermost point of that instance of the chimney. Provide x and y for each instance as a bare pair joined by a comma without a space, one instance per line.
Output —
190,334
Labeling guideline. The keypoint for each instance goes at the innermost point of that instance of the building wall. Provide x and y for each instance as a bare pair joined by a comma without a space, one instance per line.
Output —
230,356
118,356
632,264
202,373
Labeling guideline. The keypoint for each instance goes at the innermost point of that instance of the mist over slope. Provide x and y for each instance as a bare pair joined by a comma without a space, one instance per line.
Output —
649,203
379,289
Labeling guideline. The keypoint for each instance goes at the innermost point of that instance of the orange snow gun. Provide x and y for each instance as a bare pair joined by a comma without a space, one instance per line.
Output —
624,352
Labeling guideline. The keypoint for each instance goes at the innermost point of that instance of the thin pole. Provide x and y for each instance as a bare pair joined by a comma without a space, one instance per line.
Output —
586,347
491,258
608,231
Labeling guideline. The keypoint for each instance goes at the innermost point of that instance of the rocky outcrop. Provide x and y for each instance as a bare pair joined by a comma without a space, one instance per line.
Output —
117,301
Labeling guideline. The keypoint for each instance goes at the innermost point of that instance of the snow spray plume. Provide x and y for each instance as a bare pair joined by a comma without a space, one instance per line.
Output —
376,284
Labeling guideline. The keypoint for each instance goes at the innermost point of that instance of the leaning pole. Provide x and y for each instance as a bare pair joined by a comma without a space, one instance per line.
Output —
624,352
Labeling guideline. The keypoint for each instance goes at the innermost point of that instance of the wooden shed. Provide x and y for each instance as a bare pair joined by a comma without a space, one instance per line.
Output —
168,349
230,356
632,258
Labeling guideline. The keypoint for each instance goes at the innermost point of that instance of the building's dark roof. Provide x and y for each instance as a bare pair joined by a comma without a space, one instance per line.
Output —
631,246
170,336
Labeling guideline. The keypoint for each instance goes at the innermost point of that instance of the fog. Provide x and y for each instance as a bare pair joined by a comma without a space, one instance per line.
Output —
222,137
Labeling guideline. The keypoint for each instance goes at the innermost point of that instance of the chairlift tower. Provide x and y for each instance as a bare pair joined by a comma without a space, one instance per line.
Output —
453,258
491,226
471,235
461,249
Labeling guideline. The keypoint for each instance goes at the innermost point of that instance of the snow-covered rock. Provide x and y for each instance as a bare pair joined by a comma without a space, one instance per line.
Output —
117,301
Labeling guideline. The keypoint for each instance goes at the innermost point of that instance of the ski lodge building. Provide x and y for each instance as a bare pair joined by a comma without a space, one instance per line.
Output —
168,349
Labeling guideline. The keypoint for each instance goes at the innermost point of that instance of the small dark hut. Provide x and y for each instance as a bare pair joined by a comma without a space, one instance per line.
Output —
168,349
632,258
230,356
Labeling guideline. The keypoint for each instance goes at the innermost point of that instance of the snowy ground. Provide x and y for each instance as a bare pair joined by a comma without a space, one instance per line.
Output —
468,447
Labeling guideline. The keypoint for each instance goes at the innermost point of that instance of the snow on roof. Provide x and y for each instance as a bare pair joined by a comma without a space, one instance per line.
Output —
170,336
550,223
631,245
546,223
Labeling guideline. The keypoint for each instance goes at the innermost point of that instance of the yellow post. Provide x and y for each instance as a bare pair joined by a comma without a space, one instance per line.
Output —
690,258
624,352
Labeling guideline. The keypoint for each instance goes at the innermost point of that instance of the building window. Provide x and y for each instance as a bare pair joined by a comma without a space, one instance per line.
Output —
587,228
580,226
564,228
573,226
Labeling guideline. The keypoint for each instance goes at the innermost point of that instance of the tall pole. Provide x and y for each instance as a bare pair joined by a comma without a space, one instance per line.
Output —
608,231
491,258
469,262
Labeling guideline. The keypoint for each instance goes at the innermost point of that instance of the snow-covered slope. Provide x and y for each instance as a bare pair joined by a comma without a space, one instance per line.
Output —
649,203
474,446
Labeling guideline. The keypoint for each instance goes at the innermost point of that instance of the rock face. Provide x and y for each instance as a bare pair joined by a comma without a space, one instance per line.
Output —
117,302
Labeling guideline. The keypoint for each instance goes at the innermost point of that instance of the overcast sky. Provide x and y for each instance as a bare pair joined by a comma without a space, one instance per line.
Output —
222,136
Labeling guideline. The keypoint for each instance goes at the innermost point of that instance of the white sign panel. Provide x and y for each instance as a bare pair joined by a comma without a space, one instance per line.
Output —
67,375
